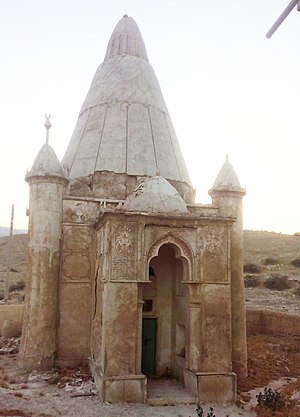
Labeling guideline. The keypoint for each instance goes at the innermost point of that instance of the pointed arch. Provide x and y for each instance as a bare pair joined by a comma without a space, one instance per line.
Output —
181,249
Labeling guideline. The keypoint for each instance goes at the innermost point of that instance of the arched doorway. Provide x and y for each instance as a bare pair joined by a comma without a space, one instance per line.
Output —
165,314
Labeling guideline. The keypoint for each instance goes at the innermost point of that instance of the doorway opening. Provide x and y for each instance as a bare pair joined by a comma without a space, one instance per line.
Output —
149,346
165,315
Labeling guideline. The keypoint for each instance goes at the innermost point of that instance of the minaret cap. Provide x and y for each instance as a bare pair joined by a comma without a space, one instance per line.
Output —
227,179
46,163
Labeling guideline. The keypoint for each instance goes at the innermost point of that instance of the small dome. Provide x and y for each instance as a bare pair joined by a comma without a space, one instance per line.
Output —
227,178
46,164
155,195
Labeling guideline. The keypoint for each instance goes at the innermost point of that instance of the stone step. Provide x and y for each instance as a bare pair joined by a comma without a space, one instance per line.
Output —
168,391
171,400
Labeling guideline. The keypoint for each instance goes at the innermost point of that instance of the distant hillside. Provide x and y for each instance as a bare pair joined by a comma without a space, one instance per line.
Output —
5,231
259,245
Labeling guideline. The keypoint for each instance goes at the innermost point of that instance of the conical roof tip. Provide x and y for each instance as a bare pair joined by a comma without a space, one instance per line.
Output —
126,39
227,177
46,164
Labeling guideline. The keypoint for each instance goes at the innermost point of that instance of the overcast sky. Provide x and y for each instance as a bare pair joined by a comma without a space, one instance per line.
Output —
229,90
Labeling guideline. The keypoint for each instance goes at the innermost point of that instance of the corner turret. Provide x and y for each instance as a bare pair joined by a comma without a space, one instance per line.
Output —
227,194
47,182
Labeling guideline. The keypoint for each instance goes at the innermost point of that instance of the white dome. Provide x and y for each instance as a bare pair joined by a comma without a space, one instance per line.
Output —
155,195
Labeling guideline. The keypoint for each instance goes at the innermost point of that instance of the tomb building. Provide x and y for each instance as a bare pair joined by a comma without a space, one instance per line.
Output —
126,273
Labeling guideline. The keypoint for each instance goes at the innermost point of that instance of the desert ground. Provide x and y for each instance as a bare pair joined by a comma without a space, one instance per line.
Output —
272,283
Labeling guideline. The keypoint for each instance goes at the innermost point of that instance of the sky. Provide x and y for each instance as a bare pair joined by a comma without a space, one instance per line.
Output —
229,90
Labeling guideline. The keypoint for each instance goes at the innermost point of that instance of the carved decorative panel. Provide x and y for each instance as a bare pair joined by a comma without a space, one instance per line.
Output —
124,240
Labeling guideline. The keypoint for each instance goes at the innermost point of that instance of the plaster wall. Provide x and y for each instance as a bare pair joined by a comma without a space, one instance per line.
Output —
120,326
216,329
230,204
75,293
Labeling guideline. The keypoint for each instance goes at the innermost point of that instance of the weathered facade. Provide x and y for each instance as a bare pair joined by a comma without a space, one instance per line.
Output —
126,272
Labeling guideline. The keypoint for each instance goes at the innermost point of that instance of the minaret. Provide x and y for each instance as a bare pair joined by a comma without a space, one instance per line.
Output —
47,183
227,194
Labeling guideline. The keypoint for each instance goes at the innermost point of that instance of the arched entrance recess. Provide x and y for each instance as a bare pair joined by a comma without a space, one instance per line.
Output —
165,309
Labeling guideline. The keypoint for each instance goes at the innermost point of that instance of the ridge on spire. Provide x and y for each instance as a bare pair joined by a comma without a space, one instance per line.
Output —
126,39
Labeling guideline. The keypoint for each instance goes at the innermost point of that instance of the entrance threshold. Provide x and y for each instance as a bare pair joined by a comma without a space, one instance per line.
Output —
167,391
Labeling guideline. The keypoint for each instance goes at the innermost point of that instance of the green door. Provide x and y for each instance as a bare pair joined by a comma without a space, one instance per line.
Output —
149,346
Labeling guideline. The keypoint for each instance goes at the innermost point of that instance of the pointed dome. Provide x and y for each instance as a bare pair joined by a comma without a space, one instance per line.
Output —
46,164
155,195
124,126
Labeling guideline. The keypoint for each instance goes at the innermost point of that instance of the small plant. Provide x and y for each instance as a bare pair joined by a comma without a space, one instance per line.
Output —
251,281
277,282
211,412
270,399
296,262
200,412
252,268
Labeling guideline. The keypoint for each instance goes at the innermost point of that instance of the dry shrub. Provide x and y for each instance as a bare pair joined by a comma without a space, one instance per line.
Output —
271,261
296,262
251,281
252,268
20,285
277,282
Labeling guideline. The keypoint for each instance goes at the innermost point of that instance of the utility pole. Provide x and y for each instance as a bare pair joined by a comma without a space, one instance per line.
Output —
7,279
292,4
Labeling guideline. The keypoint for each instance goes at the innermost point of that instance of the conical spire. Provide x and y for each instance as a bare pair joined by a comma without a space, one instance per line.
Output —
124,126
227,177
